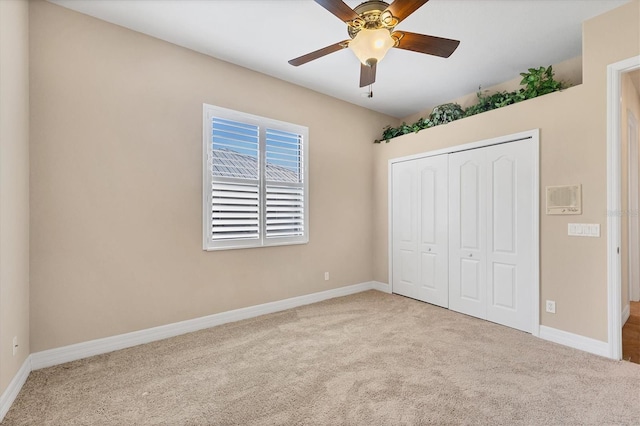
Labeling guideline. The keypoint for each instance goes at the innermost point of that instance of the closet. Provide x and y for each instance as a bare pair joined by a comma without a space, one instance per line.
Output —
464,231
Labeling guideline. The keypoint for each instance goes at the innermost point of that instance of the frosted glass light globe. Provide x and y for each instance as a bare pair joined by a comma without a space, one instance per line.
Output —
371,44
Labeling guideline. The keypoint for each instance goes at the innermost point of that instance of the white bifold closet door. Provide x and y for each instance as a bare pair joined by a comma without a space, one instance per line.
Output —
420,229
491,233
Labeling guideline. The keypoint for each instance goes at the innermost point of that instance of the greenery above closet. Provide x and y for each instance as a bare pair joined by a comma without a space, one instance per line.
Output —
536,82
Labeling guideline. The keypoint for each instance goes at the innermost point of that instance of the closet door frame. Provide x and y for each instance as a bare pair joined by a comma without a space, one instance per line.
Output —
533,138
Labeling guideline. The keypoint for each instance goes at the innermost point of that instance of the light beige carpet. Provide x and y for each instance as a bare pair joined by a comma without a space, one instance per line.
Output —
366,359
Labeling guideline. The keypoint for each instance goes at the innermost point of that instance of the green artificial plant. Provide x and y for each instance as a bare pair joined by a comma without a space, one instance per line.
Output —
536,82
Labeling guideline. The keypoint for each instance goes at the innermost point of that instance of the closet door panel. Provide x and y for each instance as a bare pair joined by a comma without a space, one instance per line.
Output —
467,246
510,234
405,229
433,224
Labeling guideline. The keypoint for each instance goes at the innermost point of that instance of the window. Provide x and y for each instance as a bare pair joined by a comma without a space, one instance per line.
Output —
255,181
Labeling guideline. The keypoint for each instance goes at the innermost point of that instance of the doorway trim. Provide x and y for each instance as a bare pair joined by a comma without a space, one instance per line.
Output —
634,225
614,205
534,136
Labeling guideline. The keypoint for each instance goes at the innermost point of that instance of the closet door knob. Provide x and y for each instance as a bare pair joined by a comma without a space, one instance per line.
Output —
429,249
470,254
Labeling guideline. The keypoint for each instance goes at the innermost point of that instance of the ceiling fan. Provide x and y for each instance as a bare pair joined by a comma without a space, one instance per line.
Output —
371,27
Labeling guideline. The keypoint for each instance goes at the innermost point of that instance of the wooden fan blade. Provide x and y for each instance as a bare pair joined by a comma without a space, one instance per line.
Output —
319,53
339,8
403,8
367,74
421,43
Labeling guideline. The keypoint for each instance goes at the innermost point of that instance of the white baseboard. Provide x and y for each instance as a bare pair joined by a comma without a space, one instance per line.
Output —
77,351
383,287
12,391
626,313
575,341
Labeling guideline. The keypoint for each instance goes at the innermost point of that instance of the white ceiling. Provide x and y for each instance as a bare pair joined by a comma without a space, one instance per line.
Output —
499,39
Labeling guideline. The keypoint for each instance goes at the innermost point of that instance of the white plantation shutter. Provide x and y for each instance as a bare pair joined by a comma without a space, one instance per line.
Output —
256,172
235,211
235,149
285,211
285,193
284,156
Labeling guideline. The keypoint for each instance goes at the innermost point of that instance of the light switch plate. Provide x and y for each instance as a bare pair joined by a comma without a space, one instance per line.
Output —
584,230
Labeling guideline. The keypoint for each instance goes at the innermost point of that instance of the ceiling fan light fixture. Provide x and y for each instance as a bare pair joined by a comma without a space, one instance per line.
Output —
369,45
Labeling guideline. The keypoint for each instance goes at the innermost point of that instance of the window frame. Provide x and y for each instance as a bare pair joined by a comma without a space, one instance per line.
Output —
209,112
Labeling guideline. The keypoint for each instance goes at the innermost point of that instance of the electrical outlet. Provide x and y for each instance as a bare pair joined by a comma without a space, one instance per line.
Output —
326,276
551,306
15,345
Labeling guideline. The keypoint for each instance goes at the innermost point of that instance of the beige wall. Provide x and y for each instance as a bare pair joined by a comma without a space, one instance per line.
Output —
630,102
14,187
572,150
116,145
